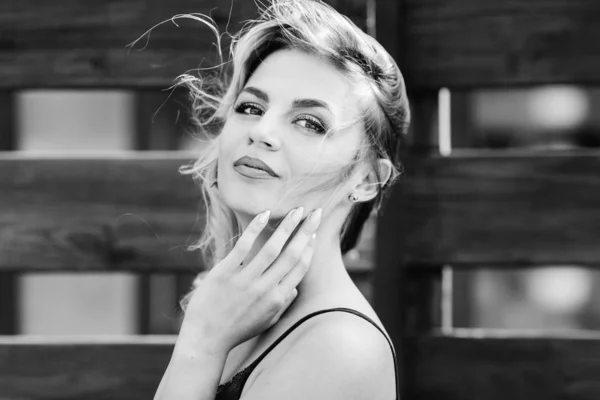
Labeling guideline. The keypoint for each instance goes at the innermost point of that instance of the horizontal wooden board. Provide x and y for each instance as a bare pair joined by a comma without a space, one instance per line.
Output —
466,43
134,212
125,368
513,209
70,43
461,367
475,367
129,211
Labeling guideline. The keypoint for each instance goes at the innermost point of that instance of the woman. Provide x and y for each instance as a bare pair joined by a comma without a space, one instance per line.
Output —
310,122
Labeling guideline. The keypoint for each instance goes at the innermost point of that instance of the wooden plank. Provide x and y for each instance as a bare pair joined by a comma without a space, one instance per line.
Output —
9,295
464,134
464,366
124,211
405,301
7,121
133,211
511,208
530,42
81,368
389,28
71,43
467,43
127,211
477,366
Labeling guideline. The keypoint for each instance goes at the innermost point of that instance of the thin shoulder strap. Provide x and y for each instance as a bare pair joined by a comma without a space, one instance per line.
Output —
306,317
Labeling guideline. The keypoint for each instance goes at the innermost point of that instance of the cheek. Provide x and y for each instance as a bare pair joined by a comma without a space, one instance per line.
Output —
326,160
318,170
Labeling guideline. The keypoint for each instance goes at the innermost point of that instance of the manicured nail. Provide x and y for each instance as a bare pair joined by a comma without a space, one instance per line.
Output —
264,217
297,214
315,216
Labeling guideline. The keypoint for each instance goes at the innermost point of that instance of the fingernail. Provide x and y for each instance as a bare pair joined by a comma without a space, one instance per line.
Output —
315,217
297,214
264,216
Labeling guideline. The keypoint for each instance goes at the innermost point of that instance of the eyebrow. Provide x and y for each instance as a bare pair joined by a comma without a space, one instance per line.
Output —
297,103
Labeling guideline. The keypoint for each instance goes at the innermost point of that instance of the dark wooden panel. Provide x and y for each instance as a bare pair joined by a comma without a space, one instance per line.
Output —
475,367
405,301
135,212
487,42
9,295
73,43
501,209
467,43
70,43
128,211
446,368
79,368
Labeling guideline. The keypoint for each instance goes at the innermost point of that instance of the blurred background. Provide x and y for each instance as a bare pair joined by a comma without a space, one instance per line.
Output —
542,119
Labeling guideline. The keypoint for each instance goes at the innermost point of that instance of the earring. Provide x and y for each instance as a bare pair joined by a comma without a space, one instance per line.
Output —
353,198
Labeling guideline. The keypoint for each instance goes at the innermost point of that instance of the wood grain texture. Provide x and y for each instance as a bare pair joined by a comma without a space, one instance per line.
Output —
129,211
463,44
135,212
9,290
478,367
462,367
138,213
469,43
494,209
77,368
71,43
116,213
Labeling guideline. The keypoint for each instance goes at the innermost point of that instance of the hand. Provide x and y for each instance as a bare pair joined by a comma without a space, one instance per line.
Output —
234,303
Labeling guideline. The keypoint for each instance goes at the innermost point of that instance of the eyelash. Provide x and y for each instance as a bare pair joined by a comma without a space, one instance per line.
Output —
320,127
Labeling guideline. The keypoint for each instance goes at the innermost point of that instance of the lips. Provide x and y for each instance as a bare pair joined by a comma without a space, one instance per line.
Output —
255,163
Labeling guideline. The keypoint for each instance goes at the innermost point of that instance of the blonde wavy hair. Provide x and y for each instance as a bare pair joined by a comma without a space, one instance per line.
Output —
315,28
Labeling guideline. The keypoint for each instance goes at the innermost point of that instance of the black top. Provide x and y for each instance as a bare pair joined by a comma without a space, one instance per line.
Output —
232,390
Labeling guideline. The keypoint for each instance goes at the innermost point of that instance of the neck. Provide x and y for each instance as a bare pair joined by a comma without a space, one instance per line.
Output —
327,271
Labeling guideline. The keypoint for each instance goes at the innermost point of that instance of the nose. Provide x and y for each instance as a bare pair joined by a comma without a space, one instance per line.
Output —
264,132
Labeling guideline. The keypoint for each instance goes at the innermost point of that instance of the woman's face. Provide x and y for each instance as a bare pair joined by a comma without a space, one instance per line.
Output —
281,118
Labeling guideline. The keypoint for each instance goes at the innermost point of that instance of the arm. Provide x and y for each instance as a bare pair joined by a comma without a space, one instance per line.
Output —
194,370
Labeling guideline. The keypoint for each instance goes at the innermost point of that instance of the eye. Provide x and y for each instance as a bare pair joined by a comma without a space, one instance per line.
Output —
248,109
311,123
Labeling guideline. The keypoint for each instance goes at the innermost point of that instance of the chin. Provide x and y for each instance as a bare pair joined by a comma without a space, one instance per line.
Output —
243,201
244,196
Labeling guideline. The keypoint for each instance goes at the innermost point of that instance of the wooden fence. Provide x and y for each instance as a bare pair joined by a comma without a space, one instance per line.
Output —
471,209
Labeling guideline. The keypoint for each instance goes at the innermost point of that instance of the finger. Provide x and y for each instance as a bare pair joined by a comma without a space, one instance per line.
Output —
289,300
294,251
295,276
244,244
270,251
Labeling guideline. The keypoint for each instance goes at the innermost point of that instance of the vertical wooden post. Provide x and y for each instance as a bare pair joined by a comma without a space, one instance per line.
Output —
142,99
463,136
161,119
8,280
406,296
387,271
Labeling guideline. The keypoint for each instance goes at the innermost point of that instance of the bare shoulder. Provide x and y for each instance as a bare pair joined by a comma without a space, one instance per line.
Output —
337,356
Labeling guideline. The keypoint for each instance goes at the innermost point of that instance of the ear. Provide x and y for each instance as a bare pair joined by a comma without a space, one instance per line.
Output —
369,187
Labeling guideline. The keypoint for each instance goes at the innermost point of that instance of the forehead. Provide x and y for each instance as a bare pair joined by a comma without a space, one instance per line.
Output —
293,74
